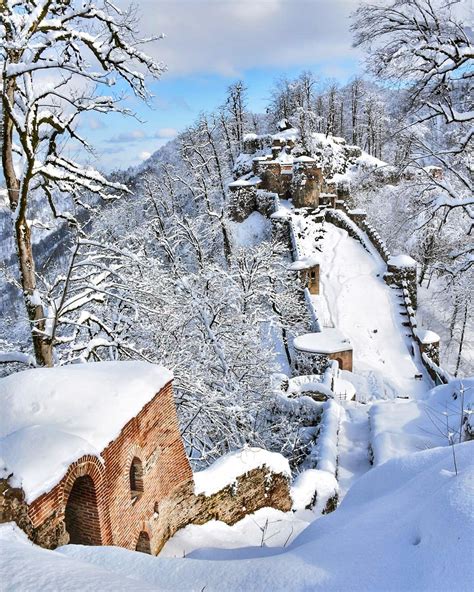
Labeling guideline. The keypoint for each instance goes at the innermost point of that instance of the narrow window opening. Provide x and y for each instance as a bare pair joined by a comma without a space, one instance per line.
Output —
136,477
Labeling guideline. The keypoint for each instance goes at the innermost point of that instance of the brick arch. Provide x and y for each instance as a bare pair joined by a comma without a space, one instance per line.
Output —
89,466
81,514
143,544
143,534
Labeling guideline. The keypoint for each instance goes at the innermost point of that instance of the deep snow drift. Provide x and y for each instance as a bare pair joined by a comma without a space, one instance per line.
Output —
407,525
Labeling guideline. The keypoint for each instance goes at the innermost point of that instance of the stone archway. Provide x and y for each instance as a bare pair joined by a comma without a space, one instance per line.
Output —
81,514
143,543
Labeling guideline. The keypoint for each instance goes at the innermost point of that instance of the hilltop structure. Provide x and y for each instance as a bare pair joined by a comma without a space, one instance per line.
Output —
276,178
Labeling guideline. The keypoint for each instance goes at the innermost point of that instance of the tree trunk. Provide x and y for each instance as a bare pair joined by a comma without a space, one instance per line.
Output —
42,345
461,340
18,196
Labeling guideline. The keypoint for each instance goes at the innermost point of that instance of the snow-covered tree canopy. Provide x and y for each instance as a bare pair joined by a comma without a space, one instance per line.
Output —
423,44
57,57
426,47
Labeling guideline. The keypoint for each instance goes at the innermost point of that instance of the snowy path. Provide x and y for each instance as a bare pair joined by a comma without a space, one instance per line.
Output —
353,458
362,306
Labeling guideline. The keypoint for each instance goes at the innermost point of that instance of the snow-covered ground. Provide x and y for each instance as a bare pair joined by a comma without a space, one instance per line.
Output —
406,525
354,435
355,299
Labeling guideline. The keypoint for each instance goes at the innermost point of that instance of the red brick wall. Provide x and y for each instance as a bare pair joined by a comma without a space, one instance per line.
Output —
153,437
143,521
82,515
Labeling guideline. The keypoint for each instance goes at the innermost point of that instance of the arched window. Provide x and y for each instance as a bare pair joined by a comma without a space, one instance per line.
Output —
143,543
136,477
82,516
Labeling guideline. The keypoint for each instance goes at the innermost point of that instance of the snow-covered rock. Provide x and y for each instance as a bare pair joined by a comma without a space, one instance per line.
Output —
226,469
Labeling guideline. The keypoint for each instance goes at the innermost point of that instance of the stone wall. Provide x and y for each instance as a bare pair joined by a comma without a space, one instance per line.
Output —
429,352
272,178
256,489
403,276
306,363
13,507
306,185
344,358
242,202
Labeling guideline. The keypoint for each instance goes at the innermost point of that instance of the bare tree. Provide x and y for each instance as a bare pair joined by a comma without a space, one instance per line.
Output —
426,47
85,46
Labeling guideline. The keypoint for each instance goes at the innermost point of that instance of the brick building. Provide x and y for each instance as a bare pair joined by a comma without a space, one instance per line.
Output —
314,350
117,424
92,454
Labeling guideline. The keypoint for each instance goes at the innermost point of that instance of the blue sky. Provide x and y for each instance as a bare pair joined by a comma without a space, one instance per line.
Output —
209,44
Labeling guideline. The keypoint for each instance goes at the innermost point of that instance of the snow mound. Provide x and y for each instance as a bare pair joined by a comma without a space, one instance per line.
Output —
53,416
402,426
227,468
313,483
267,527
24,567
303,263
402,261
406,525
426,337
252,231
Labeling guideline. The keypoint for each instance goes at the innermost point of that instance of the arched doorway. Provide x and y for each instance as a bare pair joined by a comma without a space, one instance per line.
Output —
143,543
82,516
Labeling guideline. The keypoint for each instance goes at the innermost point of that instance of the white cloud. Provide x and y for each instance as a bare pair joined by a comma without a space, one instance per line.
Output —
141,135
144,155
94,123
229,36
166,132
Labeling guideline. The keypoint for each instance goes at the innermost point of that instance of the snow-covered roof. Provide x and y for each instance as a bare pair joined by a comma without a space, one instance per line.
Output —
53,416
288,134
284,158
304,159
246,182
328,341
303,263
401,261
425,336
